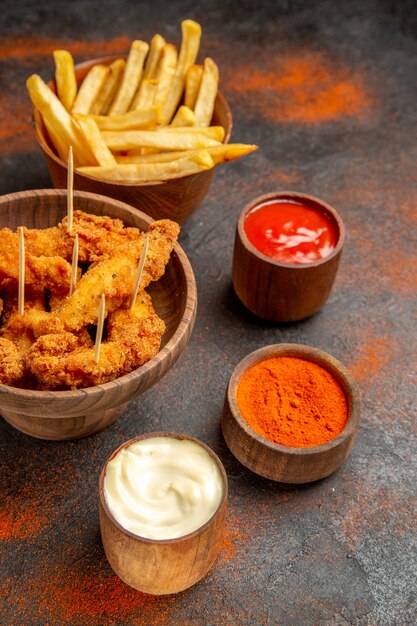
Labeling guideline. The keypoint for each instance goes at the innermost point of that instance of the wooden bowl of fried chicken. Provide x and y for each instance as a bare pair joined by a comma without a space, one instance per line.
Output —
52,384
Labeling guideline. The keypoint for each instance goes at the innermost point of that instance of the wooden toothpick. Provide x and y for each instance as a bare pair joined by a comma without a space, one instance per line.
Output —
70,190
139,273
74,266
100,324
21,293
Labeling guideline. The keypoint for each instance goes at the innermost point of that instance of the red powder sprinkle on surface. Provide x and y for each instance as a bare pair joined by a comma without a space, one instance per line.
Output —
373,356
21,517
304,89
72,596
28,47
233,539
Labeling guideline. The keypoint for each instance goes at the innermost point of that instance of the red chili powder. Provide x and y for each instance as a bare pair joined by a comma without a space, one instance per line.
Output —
292,402
233,538
28,47
22,516
373,356
308,89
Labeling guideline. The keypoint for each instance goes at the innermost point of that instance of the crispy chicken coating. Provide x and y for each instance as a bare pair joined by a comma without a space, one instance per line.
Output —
52,272
115,276
12,370
98,236
63,360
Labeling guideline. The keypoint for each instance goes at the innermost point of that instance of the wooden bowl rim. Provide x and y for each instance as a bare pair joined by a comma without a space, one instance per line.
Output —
106,60
190,535
308,353
306,199
190,305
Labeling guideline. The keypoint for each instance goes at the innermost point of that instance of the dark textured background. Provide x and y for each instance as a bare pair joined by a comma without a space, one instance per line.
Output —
327,89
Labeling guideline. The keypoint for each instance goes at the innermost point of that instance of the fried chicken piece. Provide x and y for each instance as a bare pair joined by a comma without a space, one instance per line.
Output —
98,236
18,328
115,276
52,272
139,331
64,361
12,363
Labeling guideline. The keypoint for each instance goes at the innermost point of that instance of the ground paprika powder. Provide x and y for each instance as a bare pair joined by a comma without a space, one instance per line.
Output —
293,402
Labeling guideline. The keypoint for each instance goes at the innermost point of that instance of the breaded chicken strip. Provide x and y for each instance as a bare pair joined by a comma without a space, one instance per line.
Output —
12,363
64,361
52,272
98,236
115,276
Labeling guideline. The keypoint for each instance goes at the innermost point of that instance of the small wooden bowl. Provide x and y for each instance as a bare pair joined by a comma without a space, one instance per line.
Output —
162,566
175,199
72,414
282,463
278,291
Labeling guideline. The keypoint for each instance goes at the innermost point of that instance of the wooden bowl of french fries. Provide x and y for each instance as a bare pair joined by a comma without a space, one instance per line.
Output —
35,403
148,129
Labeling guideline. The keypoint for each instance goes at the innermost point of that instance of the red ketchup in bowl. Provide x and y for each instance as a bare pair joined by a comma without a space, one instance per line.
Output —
290,232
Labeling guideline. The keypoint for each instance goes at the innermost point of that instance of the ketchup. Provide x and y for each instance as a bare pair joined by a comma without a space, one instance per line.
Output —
290,232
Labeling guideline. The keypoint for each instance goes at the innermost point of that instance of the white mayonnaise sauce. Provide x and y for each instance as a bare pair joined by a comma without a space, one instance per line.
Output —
162,488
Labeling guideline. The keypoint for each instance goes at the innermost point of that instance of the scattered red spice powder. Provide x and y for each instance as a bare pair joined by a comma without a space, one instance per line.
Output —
292,402
21,516
31,46
307,88
233,538
372,357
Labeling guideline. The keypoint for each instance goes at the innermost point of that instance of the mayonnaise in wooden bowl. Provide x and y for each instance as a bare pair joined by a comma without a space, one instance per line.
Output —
162,503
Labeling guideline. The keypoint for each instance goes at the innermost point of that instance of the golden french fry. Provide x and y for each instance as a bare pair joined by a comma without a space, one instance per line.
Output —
145,172
90,88
155,51
130,120
103,101
213,132
154,157
165,72
66,83
192,85
60,146
58,119
219,154
145,96
128,139
204,105
183,117
191,34
95,141
229,151
131,78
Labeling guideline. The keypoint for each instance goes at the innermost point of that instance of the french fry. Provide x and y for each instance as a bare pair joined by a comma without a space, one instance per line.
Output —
155,51
204,105
58,119
213,132
145,172
130,120
95,141
192,85
131,78
219,154
183,117
165,72
103,101
191,34
128,139
66,83
90,88
60,146
145,96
